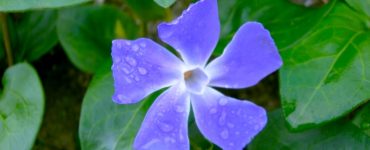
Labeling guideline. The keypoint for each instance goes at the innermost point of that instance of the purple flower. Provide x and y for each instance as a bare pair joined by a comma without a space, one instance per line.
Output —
141,67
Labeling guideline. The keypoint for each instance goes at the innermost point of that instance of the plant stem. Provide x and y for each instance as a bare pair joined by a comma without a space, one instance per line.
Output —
8,49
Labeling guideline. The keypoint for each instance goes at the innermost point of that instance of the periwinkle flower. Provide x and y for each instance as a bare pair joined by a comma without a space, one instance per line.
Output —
142,66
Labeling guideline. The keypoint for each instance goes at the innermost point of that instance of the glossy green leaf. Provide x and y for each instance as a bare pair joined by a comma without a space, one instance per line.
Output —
361,5
165,3
22,5
333,136
33,34
21,107
105,124
86,33
326,71
362,119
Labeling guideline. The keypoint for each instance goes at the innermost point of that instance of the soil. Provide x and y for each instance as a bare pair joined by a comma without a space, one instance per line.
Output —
64,86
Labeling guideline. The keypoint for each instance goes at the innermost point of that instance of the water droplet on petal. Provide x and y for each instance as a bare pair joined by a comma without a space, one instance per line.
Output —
127,79
142,71
137,78
212,111
130,61
180,109
230,125
164,126
125,70
222,119
120,97
224,134
143,45
222,101
231,144
169,139
135,48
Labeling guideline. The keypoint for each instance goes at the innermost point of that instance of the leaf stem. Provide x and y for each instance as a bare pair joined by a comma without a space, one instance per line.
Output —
8,49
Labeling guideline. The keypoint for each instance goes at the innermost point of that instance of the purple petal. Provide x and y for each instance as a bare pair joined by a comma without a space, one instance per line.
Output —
141,67
195,33
249,57
166,123
227,122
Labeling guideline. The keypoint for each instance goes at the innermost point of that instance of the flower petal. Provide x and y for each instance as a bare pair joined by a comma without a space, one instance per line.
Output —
249,57
227,122
166,123
195,33
141,67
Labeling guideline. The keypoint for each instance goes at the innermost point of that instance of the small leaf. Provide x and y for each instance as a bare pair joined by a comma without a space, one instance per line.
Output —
105,124
21,107
334,136
22,5
165,3
86,33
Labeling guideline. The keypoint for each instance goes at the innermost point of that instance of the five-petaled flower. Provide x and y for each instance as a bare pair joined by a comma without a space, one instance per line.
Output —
141,67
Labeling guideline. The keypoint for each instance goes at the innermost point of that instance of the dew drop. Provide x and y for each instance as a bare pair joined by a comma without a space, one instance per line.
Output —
237,133
164,126
222,101
224,134
212,111
222,119
130,61
118,44
180,109
137,78
231,144
142,70
125,70
135,48
127,79
230,125
169,139
143,45
120,97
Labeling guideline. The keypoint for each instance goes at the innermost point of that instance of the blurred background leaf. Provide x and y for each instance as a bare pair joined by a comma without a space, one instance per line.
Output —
21,107
362,6
326,62
22,5
32,34
362,119
86,33
165,3
337,135
146,10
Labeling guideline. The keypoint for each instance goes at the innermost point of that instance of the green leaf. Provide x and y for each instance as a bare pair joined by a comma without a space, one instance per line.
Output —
334,136
86,33
22,5
360,5
105,124
146,9
326,71
165,3
362,119
33,34
21,107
